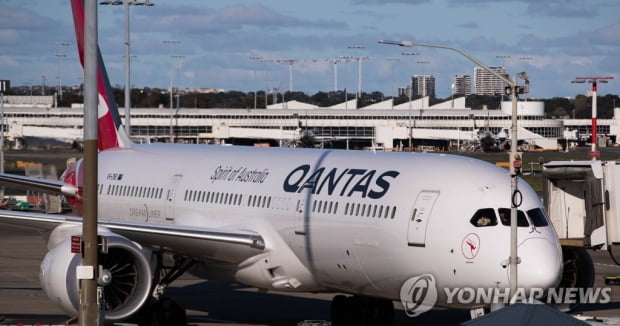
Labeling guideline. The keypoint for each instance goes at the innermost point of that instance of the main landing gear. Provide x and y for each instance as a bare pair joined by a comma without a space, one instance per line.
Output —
357,310
159,310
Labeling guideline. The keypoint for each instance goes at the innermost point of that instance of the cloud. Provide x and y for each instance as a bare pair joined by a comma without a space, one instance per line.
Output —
22,19
607,35
469,25
384,2
231,18
556,8
547,8
26,32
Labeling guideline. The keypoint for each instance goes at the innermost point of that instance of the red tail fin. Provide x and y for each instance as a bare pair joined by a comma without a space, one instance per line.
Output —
111,133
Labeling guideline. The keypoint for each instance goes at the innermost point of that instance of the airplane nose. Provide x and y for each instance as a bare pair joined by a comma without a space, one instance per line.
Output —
541,264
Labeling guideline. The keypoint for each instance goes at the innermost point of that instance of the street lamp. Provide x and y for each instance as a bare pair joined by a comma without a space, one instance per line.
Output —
424,85
503,58
359,68
410,96
266,62
255,59
392,61
60,55
512,90
346,59
171,43
126,4
525,60
290,63
179,59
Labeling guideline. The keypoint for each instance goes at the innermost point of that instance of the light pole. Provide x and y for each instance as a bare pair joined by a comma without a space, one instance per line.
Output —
89,312
424,79
593,80
513,90
179,59
255,59
392,62
43,85
126,4
346,59
266,62
290,63
410,95
171,43
335,61
359,69
503,59
525,60
60,55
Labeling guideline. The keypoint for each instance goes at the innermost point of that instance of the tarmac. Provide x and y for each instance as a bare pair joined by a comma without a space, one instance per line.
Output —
216,303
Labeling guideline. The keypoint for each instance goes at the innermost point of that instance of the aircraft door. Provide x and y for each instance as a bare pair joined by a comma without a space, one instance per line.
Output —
170,194
420,216
300,222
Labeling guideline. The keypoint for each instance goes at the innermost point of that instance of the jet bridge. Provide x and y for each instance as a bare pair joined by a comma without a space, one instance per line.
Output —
582,199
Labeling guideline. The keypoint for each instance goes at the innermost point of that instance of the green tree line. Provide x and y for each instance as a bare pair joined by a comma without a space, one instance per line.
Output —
579,107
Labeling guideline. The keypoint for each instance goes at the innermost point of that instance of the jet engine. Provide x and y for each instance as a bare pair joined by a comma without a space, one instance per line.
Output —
578,268
125,274
578,273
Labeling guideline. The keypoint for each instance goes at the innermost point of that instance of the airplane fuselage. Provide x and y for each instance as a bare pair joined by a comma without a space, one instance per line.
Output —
351,221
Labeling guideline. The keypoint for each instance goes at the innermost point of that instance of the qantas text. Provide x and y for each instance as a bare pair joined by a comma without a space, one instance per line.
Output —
340,182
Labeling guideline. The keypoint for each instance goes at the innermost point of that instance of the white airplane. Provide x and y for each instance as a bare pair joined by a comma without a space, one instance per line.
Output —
360,223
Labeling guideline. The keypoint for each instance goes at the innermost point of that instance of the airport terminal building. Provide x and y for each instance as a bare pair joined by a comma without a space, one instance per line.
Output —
444,126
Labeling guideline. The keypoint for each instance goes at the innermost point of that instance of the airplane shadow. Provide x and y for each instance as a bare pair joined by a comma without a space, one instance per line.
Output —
217,302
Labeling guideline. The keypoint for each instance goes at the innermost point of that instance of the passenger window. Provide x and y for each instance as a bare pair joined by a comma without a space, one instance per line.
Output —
538,217
504,216
484,217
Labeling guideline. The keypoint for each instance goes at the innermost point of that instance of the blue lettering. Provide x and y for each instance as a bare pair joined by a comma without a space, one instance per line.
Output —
363,184
360,181
383,184
353,173
331,182
288,187
312,180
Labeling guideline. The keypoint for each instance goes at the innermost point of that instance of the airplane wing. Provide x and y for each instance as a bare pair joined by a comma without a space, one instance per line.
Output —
37,184
225,245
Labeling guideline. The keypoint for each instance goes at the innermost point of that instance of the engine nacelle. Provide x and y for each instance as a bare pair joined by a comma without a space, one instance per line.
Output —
126,291
578,273
578,268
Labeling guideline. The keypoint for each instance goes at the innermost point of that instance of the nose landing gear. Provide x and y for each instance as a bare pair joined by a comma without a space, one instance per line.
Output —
357,310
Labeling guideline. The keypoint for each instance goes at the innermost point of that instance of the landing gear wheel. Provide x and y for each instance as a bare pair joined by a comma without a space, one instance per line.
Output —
163,312
578,272
357,310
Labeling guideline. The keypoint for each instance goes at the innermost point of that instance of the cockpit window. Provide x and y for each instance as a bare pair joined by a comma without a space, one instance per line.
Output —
484,217
538,217
504,216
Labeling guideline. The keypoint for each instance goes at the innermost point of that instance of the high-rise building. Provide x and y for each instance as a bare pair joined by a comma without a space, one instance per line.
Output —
423,85
404,91
488,84
462,85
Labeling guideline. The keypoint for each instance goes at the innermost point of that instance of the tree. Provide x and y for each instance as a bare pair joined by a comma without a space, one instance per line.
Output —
558,107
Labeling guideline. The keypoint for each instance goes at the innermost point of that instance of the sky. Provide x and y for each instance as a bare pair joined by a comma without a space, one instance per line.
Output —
219,42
